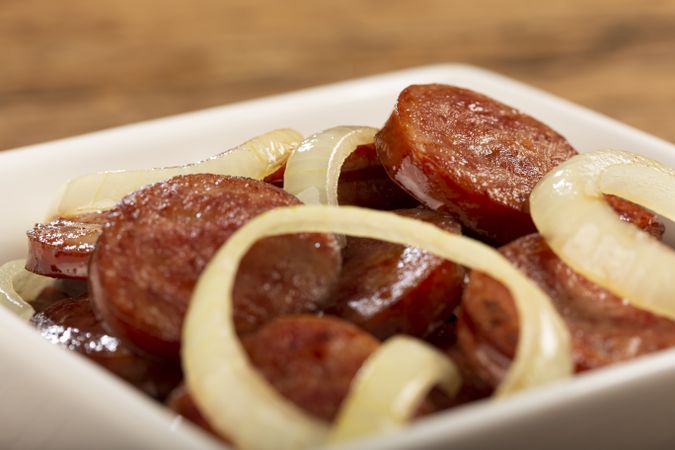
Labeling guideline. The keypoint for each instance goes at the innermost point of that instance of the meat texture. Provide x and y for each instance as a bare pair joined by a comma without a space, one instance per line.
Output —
160,238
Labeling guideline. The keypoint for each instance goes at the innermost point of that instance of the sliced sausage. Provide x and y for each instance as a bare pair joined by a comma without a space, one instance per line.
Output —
310,360
62,248
364,182
463,153
388,289
159,239
59,290
72,324
444,337
604,328
637,215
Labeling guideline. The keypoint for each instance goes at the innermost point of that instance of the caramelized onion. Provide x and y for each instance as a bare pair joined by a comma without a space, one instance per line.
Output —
256,158
570,212
391,385
222,379
313,170
19,286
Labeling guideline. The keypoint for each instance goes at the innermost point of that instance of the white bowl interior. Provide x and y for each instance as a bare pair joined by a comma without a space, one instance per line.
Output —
55,399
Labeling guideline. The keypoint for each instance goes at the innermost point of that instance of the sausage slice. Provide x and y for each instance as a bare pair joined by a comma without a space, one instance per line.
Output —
62,248
71,323
310,360
160,238
364,182
388,289
637,215
604,328
463,153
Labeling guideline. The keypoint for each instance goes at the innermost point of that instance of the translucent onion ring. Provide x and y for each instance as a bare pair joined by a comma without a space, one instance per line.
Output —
570,212
313,170
256,158
19,286
221,378
391,385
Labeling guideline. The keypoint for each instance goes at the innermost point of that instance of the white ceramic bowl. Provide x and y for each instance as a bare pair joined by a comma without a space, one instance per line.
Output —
50,398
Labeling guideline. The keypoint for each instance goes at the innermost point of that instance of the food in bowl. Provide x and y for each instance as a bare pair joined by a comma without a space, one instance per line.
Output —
465,159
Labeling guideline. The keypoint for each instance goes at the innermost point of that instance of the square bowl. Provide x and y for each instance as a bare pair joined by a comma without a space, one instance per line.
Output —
55,399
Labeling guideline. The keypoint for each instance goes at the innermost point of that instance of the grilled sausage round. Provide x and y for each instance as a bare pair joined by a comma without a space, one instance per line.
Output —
604,328
159,239
310,360
463,153
62,248
72,324
388,289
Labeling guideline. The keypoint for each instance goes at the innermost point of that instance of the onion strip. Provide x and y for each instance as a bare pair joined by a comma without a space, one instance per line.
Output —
221,378
594,241
313,170
256,158
19,286
391,385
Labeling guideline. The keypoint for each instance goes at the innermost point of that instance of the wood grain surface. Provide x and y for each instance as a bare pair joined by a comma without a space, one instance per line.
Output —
73,66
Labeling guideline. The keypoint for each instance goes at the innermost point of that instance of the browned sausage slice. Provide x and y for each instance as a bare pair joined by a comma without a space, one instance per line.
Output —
62,248
463,153
159,239
310,360
604,328
637,215
59,290
71,323
364,182
387,288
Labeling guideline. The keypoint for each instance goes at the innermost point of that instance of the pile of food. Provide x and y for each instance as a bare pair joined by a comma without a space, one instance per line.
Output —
294,291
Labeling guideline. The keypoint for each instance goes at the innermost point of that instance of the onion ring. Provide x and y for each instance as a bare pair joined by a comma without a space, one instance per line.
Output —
221,378
594,241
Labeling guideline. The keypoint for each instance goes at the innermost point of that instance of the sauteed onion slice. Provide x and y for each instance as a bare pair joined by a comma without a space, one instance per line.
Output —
222,379
569,210
256,158
313,170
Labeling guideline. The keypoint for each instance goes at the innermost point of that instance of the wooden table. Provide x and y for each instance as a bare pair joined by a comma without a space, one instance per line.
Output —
73,66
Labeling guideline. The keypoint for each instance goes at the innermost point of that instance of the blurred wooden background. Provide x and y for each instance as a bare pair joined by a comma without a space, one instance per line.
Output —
73,66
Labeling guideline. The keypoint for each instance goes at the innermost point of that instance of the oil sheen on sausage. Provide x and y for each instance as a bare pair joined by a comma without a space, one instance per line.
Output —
466,154
62,247
71,323
388,289
160,238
